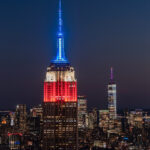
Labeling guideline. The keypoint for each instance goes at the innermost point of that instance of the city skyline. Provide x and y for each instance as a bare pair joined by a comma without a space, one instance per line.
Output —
22,70
71,114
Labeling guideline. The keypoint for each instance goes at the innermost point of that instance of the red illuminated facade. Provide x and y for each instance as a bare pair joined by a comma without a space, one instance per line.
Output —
60,91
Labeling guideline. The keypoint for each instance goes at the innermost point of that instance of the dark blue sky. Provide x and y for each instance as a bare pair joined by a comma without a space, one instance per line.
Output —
98,34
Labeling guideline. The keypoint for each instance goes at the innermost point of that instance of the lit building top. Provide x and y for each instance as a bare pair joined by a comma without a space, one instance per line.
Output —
60,83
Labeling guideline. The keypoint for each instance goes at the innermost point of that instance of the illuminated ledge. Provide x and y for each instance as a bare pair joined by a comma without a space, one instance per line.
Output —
60,61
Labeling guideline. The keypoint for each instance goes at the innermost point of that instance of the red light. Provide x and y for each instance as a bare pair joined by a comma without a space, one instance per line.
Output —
60,91
9,134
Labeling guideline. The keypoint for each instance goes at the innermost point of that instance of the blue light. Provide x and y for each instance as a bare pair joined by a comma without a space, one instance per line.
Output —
125,138
60,48
17,143
60,58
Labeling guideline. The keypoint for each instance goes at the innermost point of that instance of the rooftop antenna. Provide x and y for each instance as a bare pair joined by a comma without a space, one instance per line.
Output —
60,58
111,74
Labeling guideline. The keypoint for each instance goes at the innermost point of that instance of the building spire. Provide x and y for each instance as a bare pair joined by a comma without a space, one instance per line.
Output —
111,74
60,58
60,17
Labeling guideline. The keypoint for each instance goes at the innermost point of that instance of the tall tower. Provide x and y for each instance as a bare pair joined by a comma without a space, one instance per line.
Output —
60,100
112,97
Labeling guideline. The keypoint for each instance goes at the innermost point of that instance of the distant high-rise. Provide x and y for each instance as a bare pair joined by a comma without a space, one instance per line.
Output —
104,119
112,97
21,117
82,112
93,119
60,101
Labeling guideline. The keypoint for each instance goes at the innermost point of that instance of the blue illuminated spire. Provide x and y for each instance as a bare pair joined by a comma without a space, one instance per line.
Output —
60,58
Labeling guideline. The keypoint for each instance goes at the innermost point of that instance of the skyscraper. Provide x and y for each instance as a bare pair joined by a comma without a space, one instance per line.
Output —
60,100
112,97
21,117
82,112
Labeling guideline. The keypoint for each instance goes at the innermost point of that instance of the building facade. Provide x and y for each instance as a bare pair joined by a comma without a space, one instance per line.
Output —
104,119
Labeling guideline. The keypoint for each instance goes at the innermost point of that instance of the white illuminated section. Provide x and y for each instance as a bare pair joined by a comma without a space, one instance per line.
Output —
50,77
69,76
66,76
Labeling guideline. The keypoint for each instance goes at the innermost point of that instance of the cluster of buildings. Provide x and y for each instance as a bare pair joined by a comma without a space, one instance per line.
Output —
63,122
25,129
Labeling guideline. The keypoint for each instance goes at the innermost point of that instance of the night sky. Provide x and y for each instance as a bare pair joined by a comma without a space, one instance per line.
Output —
98,34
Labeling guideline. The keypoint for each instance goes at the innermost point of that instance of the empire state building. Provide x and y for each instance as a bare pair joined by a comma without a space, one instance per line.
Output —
60,100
